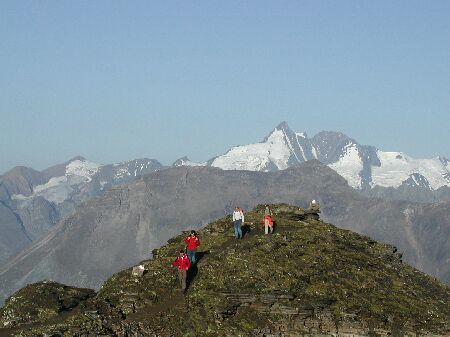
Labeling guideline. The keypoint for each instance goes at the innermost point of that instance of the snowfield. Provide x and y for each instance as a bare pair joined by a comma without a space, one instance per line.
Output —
397,167
350,166
56,190
59,189
187,162
256,157
83,169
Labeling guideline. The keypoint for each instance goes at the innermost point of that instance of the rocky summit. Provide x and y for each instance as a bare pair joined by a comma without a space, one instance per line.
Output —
308,278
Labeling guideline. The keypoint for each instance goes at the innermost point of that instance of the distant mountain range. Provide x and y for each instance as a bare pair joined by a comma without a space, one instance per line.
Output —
122,227
364,167
32,202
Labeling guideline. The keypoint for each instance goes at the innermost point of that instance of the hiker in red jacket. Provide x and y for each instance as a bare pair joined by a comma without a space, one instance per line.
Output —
183,264
192,242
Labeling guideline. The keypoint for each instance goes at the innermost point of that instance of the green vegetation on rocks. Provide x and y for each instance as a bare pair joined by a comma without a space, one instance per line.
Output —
308,278
41,302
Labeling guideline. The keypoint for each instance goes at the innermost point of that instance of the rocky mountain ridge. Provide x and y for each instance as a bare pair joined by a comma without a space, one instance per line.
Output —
38,200
364,167
309,278
123,226
33,201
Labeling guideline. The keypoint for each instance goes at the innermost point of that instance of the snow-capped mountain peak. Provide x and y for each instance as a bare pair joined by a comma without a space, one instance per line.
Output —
78,174
284,127
364,167
58,189
185,161
82,168
280,149
272,154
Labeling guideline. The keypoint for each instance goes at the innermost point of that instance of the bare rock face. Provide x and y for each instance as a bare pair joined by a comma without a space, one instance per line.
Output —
38,217
13,238
20,180
309,278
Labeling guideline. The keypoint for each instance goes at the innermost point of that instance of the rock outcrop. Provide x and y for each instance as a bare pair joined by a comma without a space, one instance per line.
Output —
309,278
41,302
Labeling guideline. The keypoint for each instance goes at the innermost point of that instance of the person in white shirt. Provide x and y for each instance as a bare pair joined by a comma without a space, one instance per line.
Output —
314,206
238,221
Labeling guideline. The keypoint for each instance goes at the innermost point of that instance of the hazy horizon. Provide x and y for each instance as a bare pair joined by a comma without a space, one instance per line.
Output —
199,161
115,81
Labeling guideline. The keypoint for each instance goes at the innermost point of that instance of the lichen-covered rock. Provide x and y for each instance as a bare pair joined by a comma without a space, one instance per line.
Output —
40,302
307,279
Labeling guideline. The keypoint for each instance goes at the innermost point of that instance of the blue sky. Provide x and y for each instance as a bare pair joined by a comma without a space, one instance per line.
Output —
118,80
